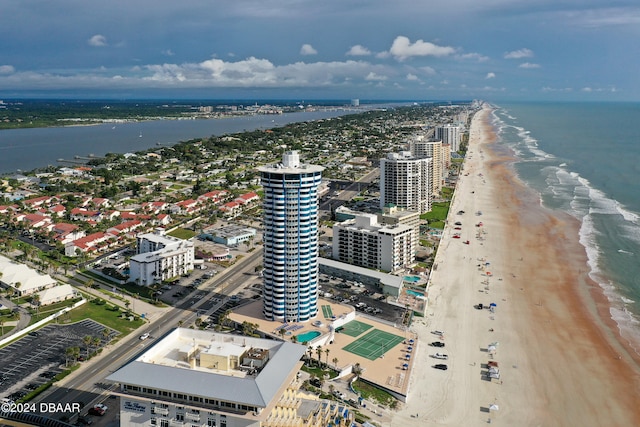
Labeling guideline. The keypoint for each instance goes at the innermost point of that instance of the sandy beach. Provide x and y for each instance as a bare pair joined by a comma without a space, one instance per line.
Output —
560,360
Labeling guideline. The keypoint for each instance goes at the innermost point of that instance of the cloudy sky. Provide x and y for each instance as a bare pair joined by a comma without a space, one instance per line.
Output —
322,49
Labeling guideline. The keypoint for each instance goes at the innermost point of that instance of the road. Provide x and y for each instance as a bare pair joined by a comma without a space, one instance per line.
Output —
87,385
350,191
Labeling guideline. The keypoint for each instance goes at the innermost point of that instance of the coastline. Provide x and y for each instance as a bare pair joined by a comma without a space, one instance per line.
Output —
562,359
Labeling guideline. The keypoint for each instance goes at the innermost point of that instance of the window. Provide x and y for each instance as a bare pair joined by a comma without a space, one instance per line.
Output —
211,422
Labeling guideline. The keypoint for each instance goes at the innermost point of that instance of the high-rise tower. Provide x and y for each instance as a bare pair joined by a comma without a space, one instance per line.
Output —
405,182
290,282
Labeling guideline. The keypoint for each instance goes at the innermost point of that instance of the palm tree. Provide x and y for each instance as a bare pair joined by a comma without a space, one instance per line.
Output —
87,340
96,342
68,353
105,334
282,331
310,352
335,362
319,353
326,352
294,339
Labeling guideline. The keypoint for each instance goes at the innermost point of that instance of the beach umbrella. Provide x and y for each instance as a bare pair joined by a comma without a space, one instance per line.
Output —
493,304
408,356
409,348
410,341
494,407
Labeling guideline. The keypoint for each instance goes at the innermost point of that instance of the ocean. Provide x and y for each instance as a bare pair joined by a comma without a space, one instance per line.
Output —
28,149
582,158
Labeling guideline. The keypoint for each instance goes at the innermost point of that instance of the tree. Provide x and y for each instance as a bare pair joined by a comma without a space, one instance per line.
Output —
105,334
87,340
96,342
282,331
326,352
319,353
335,362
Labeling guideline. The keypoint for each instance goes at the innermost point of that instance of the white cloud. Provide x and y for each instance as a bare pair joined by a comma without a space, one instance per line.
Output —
402,48
520,53
375,77
307,49
7,69
358,50
168,52
412,77
490,76
428,70
98,40
587,89
528,65
474,56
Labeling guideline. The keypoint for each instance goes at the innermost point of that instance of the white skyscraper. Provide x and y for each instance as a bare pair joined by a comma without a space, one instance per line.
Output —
449,134
290,280
405,182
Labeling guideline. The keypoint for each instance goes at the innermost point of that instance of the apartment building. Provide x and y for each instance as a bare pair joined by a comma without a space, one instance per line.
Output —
160,257
364,242
405,181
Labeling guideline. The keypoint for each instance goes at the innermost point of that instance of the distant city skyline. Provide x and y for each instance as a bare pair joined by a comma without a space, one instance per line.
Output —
283,49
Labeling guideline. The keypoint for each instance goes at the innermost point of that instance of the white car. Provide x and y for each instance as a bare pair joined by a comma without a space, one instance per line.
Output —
102,406
144,336
440,356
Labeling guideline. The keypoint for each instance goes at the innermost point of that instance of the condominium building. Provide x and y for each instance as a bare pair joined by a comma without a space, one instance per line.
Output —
449,134
405,181
364,242
160,257
433,149
290,274
205,379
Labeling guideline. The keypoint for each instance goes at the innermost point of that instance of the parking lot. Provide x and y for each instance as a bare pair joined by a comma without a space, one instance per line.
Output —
37,357
366,299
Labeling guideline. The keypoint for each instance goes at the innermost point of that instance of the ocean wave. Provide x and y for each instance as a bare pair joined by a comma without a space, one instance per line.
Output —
627,300
562,165
622,251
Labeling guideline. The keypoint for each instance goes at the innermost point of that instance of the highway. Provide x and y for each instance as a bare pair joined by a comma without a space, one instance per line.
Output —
87,385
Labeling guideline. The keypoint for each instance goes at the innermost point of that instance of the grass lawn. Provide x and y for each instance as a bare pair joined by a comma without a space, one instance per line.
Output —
370,392
438,214
102,314
182,233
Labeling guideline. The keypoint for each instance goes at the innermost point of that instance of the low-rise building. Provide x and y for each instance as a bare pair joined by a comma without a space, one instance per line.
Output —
203,378
160,257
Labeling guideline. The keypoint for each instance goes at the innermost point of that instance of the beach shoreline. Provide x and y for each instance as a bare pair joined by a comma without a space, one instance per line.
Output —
562,359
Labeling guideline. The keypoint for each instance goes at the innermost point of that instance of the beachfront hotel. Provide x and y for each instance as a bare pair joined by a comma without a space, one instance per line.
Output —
405,181
207,379
290,221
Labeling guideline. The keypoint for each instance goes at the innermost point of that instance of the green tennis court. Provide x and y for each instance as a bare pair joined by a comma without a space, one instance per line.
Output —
354,328
327,312
374,344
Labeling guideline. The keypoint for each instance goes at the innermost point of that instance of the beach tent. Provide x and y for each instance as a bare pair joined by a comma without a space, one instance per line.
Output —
494,407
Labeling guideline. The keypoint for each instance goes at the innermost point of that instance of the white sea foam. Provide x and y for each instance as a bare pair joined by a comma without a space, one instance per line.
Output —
627,300
622,251
562,165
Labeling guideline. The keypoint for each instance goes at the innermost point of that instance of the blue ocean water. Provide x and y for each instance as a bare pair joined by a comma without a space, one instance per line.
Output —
583,159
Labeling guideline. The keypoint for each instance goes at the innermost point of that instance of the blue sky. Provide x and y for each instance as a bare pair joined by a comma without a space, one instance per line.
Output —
322,49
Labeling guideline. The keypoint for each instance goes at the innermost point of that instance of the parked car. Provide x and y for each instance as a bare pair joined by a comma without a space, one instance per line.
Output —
437,344
96,411
441,366
440,356
144,336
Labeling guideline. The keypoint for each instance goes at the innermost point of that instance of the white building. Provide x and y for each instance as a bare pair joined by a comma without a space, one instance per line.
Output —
449,134
23,280
200,378
364,242
160,257
405,182
433,149
290,207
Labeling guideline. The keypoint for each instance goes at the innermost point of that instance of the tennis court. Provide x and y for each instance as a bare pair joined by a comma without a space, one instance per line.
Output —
327,312
355,328
374,344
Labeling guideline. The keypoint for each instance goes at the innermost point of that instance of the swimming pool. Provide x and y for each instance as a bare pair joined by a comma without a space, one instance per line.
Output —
412,279
308,336
414,293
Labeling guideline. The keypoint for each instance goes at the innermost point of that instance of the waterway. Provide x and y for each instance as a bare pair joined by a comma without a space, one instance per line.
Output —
28,149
